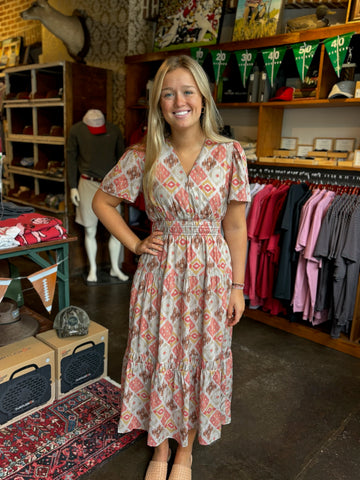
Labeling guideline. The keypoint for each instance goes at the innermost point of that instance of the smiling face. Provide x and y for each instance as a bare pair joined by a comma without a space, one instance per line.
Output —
181,100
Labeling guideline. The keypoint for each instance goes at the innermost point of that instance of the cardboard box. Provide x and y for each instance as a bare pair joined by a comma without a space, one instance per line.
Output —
27,374
79,360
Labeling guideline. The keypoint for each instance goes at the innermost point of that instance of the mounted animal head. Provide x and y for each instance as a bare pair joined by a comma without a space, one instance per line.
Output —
70,29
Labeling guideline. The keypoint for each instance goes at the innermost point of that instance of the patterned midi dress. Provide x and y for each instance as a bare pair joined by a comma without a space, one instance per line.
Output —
177,369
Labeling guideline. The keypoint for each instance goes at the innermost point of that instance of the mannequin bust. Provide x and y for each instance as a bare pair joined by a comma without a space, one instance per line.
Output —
93,148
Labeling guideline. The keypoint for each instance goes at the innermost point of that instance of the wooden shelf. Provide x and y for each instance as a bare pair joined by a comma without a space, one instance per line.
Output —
291,4
29,203
281,39
23,103
36,139
35,173
300,165
298,103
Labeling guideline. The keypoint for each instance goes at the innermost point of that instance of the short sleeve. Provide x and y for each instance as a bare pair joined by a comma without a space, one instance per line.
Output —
125,179
239,182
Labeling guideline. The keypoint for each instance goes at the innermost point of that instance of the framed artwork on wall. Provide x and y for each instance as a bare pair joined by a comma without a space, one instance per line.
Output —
190,23
355,11
257,19
10,52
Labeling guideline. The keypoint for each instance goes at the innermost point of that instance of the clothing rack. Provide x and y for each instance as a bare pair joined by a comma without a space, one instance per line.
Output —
320,177
303,174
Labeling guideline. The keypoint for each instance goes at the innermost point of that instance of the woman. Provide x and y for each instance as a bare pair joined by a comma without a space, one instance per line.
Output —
187,292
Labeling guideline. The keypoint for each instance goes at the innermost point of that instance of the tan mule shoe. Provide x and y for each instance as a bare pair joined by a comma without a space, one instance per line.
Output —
157,470
180,472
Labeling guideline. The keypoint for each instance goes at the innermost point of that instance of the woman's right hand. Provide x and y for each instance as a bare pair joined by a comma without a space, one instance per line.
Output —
152,244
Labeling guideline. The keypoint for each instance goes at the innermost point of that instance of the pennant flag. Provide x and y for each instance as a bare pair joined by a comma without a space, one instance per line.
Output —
304,53
272,59
336,48
199,54
44,283
220,60
245,60
4,283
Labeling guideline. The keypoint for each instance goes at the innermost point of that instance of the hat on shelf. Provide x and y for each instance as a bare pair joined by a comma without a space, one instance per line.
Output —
346,89
95,121
283,93
13,325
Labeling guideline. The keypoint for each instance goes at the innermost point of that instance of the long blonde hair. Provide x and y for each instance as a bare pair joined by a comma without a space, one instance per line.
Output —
158,129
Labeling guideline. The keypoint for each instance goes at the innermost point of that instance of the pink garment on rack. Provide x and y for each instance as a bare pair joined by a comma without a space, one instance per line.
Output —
313,265
307,272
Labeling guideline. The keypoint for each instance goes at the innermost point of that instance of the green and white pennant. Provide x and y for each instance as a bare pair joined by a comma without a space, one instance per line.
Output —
220,60
272,59
304,53
245,60
337,48
199,54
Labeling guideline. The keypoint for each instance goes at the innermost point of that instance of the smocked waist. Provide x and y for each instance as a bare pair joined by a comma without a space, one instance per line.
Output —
187,227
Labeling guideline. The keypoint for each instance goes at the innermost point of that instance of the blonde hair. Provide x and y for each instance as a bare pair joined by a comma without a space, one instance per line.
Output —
158,129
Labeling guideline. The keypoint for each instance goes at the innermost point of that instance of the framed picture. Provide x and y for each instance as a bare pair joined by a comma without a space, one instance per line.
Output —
10,52
356,162
324,144
257,19
191,23
288,143
303,150
344,144
354,11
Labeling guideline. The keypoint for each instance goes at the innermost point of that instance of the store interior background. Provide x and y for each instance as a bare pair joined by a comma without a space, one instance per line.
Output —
117,28
297,403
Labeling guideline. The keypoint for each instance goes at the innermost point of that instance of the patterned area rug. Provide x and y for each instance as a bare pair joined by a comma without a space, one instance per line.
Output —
66,439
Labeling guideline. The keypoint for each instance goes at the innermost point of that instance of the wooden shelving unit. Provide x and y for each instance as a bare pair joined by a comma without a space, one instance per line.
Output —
141,68
42,102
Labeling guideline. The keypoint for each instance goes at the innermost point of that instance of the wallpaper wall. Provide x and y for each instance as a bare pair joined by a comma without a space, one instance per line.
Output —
116,29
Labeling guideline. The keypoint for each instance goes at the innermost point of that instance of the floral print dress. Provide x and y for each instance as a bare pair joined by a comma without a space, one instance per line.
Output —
177,370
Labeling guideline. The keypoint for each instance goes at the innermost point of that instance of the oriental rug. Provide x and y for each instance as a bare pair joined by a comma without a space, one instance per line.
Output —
66,439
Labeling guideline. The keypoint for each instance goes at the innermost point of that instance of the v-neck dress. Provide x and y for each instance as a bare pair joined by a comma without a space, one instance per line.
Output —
177,369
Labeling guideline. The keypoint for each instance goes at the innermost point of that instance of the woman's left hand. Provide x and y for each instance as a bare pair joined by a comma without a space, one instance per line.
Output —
236,307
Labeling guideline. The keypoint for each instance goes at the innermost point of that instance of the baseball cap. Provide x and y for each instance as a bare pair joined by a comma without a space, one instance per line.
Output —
95,121
283,93
346,88
71,321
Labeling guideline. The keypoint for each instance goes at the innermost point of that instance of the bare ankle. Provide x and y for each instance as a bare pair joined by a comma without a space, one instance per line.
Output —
161,452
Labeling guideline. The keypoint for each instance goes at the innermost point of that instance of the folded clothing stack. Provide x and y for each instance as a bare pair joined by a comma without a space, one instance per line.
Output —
35,228
11,210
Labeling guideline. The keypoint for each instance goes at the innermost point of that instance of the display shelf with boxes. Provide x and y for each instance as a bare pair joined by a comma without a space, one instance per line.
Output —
267,122
42,101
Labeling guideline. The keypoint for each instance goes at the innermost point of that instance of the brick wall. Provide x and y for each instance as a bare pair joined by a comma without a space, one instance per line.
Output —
12,25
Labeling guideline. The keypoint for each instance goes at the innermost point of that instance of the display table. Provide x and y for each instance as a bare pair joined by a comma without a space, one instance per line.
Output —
56,251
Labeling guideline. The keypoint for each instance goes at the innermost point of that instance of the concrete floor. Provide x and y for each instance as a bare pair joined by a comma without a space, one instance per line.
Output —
296,404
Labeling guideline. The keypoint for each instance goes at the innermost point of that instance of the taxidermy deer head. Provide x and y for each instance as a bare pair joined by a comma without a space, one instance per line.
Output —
71,30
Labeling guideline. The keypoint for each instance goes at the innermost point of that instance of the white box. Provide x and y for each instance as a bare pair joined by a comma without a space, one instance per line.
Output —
27,373
79,360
